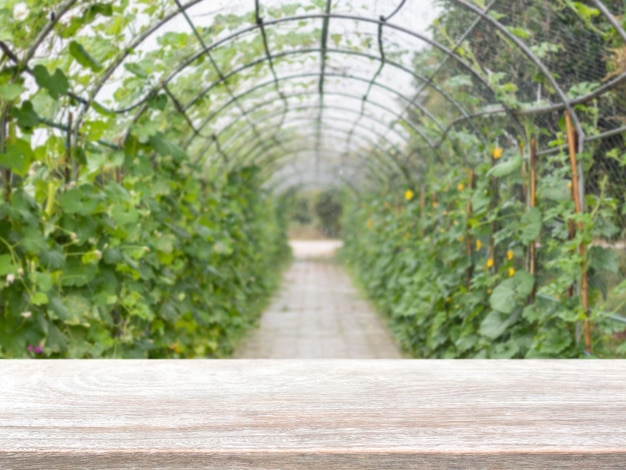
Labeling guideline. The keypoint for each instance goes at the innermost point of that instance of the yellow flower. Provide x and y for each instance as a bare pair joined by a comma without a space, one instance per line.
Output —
497,153
408,195
509,254
461,239
490,262
479,245
370,223
511,272
569,185
435,205
460,187
489,291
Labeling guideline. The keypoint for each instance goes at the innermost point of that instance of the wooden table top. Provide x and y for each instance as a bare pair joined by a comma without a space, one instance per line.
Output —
327,414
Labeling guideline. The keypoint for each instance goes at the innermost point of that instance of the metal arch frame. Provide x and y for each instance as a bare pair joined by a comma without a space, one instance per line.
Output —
391,162
355,18
299,108
349,96
410,72
309,50
244,113
225,128
302,156
186,62
372,173
335,119
293,171
303,182
419,36
188,105
299,136
255,143
311,93
161,22
151,29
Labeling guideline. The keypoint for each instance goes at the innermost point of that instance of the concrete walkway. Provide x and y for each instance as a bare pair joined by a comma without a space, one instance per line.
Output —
318,314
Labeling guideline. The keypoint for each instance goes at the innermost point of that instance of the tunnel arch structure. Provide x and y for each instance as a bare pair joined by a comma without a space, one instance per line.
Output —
225,81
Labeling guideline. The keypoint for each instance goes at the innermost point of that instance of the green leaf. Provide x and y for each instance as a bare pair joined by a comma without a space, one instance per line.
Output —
136,70
530,226
56,84
26,116
166,148
83,200
78,274
519,32
512,292
603,259
18,156
112,256
557,193
39,298
7,266
507,167
494,325
42,281
83,57
101,109
33,240
10,91
52,259
503,297
55,340
158,102
524,283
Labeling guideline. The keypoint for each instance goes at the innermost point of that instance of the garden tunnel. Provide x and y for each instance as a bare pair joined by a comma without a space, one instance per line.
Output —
369,95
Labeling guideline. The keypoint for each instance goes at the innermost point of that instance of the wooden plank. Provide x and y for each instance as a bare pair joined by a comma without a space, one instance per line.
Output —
312,414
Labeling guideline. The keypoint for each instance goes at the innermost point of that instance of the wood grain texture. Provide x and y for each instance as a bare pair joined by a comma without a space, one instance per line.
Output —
331,414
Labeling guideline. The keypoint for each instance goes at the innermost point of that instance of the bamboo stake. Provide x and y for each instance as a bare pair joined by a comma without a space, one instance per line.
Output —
571,139
492,228
533,203
469,241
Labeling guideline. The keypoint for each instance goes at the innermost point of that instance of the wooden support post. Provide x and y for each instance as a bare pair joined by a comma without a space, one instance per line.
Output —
584,288
524,175
532,201
492,228
469,241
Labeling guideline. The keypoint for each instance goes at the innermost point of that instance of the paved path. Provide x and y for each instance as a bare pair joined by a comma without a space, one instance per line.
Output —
318,314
